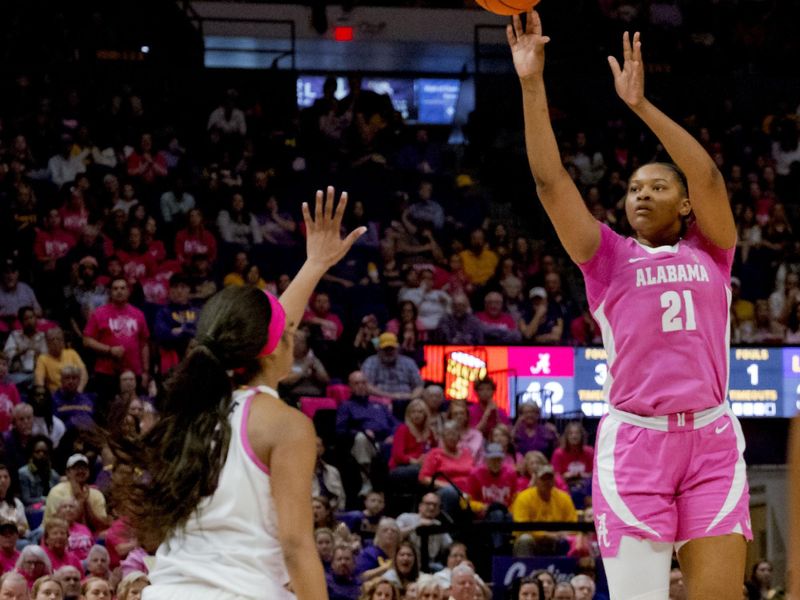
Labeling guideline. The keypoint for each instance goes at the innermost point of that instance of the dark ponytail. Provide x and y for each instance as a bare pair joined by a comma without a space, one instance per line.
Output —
183,454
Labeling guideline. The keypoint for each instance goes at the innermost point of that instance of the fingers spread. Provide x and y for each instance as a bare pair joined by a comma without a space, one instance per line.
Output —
340,210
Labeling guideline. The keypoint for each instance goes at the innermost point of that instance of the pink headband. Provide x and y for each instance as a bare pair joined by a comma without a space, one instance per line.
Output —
276,325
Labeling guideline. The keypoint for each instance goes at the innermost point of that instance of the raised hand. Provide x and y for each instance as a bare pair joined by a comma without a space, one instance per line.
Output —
324,243
527,46
629,80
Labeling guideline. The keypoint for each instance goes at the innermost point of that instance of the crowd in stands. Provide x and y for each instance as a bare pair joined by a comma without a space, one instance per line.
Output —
117,226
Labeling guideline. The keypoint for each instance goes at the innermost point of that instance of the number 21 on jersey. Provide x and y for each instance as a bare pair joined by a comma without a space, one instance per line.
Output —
679,311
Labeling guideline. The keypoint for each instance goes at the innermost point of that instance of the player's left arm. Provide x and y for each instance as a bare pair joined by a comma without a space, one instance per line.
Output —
707,191
284,440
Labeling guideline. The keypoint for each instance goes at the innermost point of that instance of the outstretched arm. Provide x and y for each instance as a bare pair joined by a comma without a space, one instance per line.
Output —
707,191
324,248
578,231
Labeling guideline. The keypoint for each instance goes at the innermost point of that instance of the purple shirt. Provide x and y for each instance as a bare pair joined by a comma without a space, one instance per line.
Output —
359,414
542,439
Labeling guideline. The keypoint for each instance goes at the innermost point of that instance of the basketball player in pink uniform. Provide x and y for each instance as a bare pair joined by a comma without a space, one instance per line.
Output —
227,495
669,471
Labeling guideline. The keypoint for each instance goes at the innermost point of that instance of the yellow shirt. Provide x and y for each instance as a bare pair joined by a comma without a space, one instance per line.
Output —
62,491
48,368
528,506
481,268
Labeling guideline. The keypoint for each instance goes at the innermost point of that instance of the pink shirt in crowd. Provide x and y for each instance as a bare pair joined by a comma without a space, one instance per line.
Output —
457,468
67,559
486,487
664,315
115,326
9,398
476,412
574,462
80,541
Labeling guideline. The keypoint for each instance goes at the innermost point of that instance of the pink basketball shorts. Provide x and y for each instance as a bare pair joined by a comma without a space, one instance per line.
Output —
669,479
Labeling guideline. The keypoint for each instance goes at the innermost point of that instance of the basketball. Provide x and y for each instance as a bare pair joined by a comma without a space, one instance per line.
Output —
507,7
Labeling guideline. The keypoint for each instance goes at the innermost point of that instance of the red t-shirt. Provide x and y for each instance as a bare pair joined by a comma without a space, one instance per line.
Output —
332,329
137,267
157,251
115,326
80,541
9,398
187,245
486,487
570,463
73,222
501,321
497,417
68,559
52,244
456,468
406,446
8,561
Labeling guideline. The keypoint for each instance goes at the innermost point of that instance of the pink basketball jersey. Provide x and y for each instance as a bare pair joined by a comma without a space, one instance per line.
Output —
664,314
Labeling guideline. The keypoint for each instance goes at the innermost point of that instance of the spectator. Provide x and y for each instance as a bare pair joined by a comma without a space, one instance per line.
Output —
118,333
131,586
239,270
175,322
9,395
364,426
64,167
238,226
137,264
307,376
492,483
479,261
86,294
539,324
765,330
278,228
485,415
498,325
50,365
760,584
321,315
327,481
781,301
433,396
201,279
37,477
584,330
15,295
463,584
364,523
456,556
341,581
543,502
24,346
8,545
55,544
14,586
743,313
380,589
81,538
44,421
428,588
461,327
11,509
92,502
365,343
427,514
144,164
405,569
564,591
324,542
530,588
793,325
412,440
573,459
452,461
195,239
584,587
390,374
471,439
227,118
73,407
52,243
377,559
530,433
33,563
176,203
16,440
95,587
426,211
70,579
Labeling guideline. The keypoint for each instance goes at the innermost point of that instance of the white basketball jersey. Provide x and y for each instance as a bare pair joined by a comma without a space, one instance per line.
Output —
231,542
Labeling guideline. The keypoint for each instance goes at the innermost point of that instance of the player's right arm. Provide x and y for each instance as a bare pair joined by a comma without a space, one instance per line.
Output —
578,231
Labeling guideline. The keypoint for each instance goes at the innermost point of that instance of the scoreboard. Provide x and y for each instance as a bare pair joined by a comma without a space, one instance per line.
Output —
764,382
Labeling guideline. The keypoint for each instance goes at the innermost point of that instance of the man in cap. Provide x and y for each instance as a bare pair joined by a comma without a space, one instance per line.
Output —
543,502
91,502
541,324
391,374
